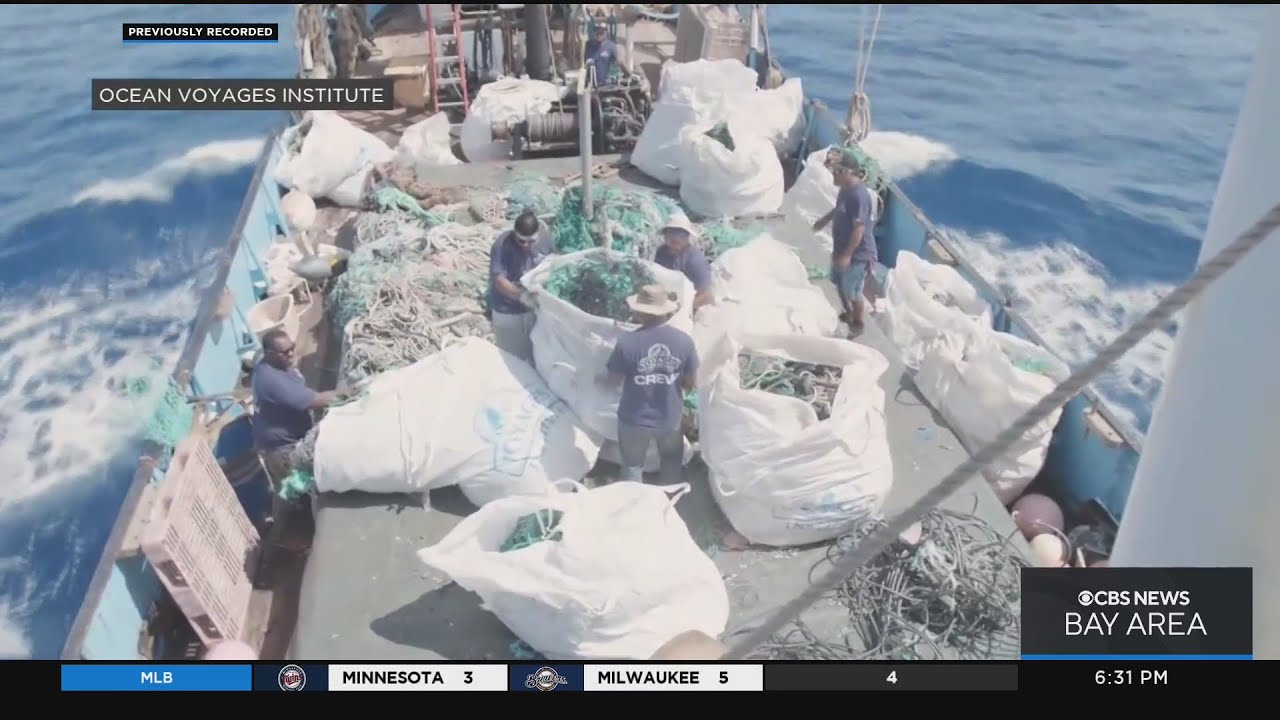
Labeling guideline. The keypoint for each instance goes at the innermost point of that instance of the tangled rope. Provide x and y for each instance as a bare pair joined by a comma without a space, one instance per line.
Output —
409,291
953,595
814,384
599,284
629,220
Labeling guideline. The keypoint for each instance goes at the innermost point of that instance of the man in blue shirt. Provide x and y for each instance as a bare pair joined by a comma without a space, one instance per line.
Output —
282,410
655,365
513,254
680,254
853,249
602,52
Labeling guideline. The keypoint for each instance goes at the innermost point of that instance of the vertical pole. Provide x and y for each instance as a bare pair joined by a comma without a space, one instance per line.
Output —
585,114
1206,492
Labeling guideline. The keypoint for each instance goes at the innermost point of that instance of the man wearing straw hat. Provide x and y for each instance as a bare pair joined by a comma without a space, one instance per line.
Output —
679,253
655,365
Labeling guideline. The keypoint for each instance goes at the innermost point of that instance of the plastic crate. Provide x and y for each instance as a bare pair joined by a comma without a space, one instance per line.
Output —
199,540
706,32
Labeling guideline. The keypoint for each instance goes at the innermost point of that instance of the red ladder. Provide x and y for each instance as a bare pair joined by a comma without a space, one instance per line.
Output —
439,61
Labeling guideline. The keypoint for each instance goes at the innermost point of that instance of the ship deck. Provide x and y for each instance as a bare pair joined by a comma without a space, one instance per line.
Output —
366,596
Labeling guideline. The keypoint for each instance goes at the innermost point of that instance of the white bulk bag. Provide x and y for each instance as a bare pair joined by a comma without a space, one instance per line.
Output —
924,301
778,115
781,476
624,577
333,161
469,415
571,347
504,100
426,144
718,182
981,382
763,287
657,151
706,83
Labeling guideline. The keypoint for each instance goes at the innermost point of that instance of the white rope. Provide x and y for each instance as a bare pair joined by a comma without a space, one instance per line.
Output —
876,543
859,120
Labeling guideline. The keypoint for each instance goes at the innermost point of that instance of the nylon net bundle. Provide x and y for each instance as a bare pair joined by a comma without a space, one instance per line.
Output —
952,595
599,284
812,383
629,220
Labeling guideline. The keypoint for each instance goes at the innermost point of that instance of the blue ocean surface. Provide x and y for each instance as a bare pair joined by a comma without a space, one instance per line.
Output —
1072,150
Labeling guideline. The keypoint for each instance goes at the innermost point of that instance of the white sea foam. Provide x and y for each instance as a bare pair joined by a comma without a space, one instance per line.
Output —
903,155
158,182
1068,298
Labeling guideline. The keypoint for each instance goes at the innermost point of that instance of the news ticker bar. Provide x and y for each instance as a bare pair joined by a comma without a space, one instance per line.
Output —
1081,674
153,33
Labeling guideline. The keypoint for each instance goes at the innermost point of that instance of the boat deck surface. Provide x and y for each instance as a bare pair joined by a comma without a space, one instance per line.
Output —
365,595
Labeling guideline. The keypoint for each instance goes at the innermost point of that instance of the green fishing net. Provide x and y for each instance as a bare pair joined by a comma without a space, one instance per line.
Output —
628,219
720,133
532,529
534,192
165,413
720,236
810,382
298,484
599,284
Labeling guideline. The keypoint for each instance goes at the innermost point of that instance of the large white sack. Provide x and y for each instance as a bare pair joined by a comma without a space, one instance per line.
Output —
781,476
571,347
763,288
469,415
981,382
657,151
778,114
706,83
924,301
334,160
426,144
504,100
624,578
718,182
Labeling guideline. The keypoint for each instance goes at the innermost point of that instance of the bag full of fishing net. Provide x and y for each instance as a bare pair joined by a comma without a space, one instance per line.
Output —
729,170
327,156
793,433
581,310
925,301
763,288
981,381
470,415
609,573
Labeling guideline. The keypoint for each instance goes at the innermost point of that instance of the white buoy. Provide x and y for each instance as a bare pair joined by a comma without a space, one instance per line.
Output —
1206,492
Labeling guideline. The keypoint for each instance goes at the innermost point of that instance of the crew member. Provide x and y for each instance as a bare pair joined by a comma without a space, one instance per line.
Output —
515,253
853,248
283,406
602,53
655,365
680,254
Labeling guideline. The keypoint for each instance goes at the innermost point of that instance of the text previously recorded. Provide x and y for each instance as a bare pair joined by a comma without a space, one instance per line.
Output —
200,32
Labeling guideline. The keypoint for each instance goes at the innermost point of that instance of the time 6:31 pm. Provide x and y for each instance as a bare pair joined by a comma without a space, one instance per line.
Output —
1131,677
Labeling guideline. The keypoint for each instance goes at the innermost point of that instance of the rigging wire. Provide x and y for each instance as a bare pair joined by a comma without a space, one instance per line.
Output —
886,534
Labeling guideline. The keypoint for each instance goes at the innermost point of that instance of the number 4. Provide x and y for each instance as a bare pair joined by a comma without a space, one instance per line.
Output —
893,677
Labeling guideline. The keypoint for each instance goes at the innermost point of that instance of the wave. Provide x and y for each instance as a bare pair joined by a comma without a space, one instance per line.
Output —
903,155
157,183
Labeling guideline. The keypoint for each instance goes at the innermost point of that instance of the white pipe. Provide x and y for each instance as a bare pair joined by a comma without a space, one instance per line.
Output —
1207,488
755,27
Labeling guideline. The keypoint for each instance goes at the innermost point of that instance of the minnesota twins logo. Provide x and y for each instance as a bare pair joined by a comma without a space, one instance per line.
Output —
292,678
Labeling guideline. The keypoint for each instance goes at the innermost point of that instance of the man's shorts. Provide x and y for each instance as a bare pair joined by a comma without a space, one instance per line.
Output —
851,280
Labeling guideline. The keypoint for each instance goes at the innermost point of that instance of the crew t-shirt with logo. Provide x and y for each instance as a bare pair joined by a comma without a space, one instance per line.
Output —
653,362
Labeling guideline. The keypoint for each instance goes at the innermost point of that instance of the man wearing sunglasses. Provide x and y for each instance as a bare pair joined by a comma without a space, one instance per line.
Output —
282,408
515,253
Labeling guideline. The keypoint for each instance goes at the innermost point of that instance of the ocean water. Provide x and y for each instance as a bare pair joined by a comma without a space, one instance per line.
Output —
1073,151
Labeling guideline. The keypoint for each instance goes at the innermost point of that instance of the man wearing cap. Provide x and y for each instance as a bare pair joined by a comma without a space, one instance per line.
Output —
853,249
680,254
655,365
515,253
602,53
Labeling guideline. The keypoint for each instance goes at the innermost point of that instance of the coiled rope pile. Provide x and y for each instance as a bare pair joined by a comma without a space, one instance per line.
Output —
953,595
409,291
814,384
